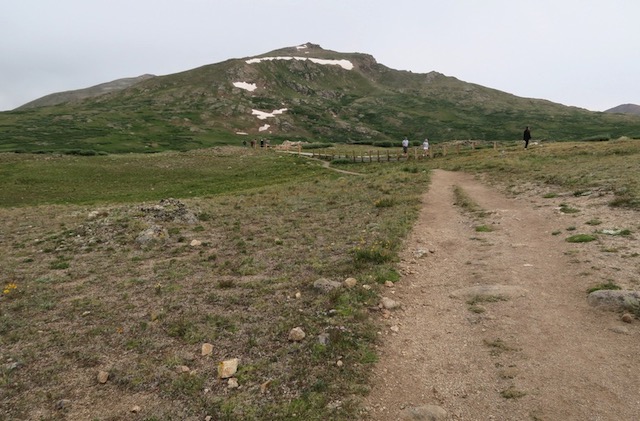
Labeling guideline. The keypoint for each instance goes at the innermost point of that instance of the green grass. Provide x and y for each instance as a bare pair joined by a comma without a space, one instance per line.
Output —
610,285
581,238
41,179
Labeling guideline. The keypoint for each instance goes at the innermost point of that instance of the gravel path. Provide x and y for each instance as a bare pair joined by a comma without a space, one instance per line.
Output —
529,349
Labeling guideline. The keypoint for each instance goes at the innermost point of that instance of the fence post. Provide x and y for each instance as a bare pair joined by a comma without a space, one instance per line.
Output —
495,146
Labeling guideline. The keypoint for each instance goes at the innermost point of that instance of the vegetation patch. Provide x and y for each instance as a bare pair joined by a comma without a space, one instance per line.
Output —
565,208
512,393
465,202
610,285
581,238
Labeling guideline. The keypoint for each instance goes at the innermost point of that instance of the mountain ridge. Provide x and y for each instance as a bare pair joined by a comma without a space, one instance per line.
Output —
304,93
83,93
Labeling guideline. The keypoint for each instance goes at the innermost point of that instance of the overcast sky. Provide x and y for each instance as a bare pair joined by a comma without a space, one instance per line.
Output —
584,53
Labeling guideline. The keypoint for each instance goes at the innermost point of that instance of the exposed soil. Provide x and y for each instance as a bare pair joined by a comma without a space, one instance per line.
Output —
543,354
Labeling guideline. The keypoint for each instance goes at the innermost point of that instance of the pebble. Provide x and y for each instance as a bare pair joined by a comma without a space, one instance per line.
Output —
182,369
350,282
228,368
207,349
296,334
389,304
103,376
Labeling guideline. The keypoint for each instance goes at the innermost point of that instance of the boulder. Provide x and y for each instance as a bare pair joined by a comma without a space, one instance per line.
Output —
615,300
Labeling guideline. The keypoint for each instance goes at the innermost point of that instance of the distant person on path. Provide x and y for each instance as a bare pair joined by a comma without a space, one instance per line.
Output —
405,145
526,137
425,147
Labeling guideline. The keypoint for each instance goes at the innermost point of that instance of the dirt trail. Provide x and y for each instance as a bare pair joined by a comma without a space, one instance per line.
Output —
540,355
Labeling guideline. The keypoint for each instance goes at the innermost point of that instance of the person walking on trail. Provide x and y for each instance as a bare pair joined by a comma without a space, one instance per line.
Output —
425,147
405,145
526,137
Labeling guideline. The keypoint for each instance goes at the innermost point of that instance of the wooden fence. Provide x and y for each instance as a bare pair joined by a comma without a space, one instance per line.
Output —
387,156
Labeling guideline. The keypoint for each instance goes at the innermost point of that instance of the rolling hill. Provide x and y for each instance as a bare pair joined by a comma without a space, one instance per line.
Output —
296,93
625,109
80,94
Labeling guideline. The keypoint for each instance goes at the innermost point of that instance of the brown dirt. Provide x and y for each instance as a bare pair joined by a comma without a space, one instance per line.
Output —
568,360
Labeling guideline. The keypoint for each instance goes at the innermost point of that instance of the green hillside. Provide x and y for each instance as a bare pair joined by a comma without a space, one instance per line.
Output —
319,102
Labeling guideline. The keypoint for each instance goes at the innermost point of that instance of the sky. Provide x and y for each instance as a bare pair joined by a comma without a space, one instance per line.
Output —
583,53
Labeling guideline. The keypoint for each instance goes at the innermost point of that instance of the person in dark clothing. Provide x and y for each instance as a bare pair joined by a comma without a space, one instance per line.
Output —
526,137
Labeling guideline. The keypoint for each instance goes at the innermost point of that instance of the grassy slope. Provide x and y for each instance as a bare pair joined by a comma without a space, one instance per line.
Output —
89,297
576,166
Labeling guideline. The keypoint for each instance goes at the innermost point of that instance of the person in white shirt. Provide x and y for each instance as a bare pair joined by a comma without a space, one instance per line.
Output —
425,147
405,145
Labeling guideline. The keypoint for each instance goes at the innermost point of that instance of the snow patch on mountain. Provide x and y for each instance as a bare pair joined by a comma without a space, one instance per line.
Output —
246,86
262,115
345,64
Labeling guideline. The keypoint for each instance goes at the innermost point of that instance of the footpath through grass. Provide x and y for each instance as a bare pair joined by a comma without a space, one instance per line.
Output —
85,293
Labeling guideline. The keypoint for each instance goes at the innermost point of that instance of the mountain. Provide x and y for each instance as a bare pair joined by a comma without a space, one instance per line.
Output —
625,109
305,93
80,94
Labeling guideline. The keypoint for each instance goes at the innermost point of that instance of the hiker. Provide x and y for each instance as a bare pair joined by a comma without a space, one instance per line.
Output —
526,137
405,145
425,147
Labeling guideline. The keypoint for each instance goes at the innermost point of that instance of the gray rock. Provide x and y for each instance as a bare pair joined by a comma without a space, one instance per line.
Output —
389,304
615,300
153,234
323,339
326,285
170,210
424,413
